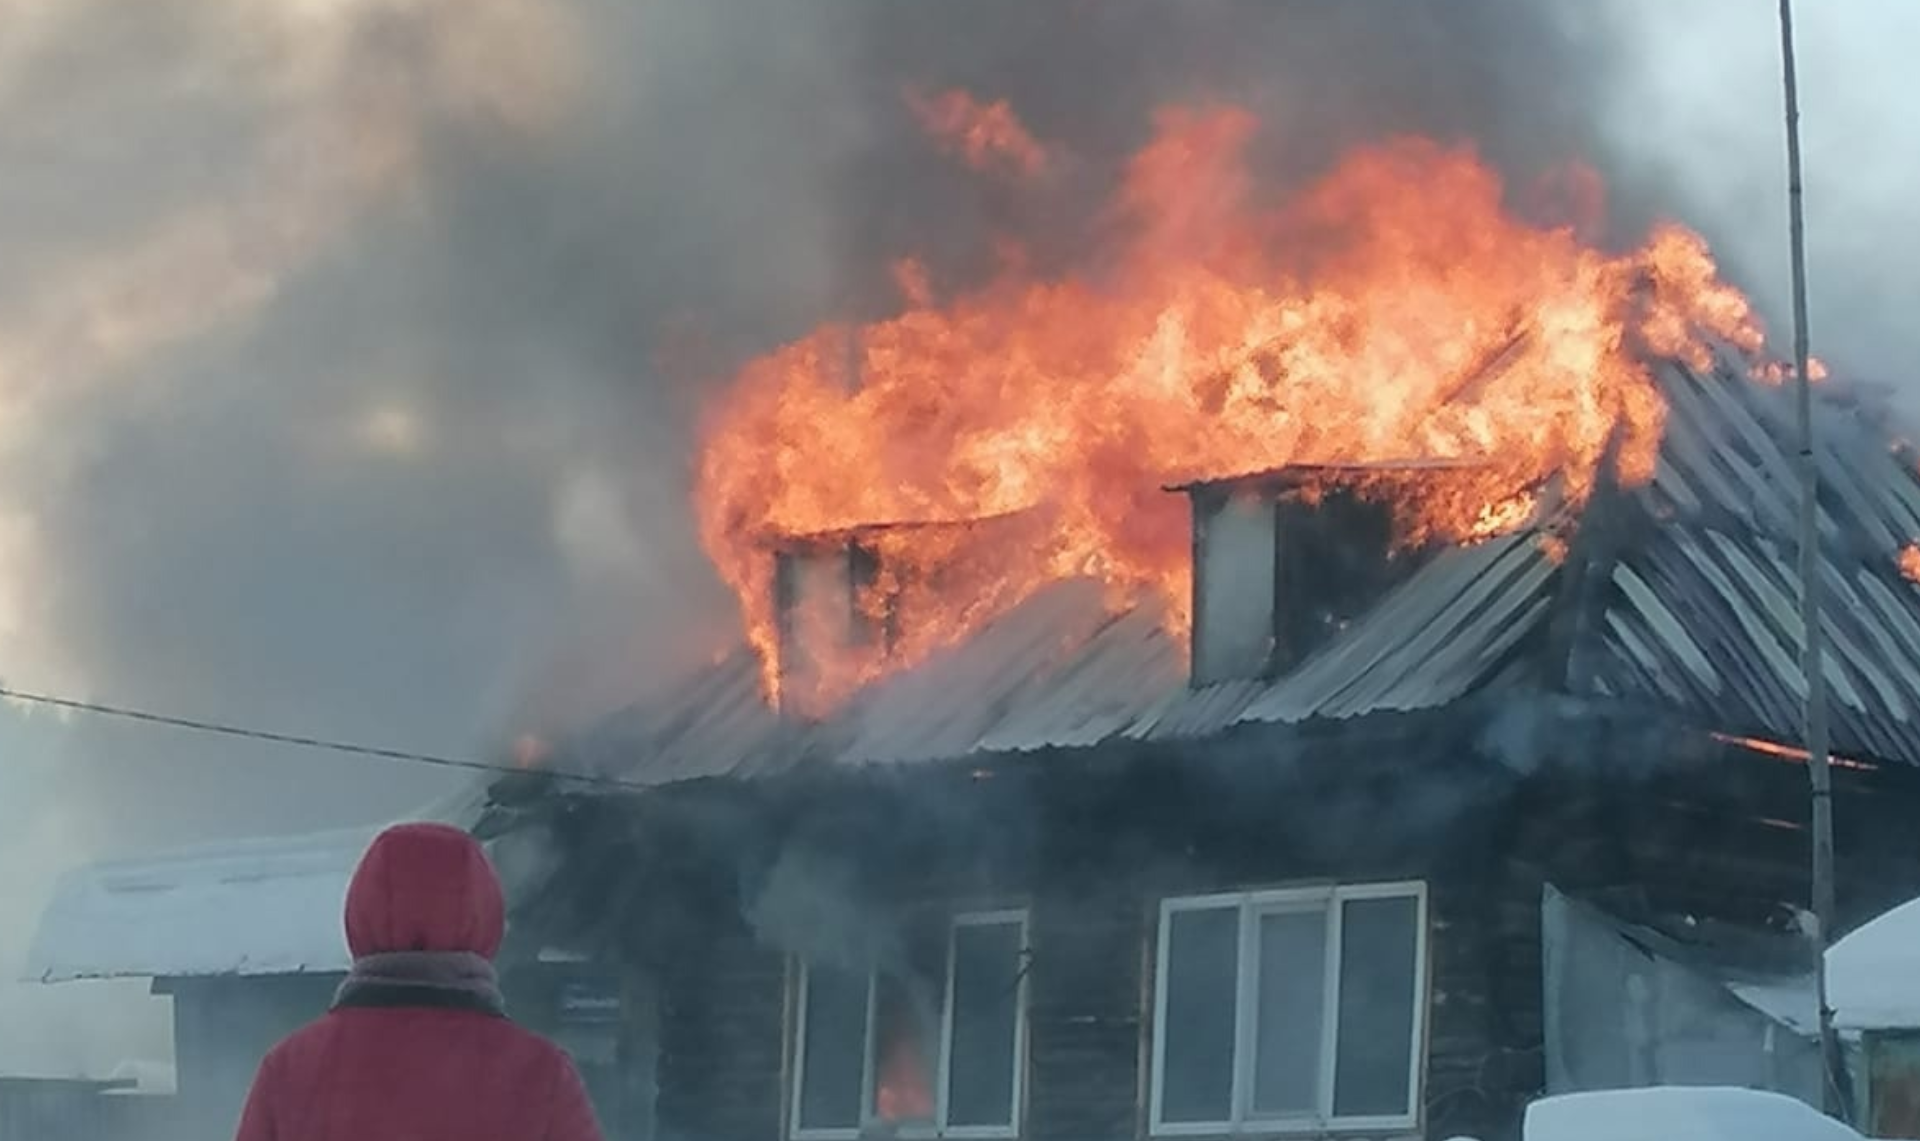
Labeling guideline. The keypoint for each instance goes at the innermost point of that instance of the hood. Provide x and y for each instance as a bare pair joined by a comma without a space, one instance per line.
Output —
425,887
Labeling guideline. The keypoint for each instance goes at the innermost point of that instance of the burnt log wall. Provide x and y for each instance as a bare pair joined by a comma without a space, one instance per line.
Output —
1084,1017
722,1043
1096,852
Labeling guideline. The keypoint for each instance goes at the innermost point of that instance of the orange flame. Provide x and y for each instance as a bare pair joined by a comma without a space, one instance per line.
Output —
984,135
1909,560
1789,752
1394,309
530,751
902,1092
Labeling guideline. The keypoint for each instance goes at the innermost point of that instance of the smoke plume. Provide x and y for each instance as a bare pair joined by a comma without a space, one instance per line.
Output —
350,349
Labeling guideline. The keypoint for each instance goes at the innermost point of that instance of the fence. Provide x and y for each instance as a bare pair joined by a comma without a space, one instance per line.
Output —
41,1109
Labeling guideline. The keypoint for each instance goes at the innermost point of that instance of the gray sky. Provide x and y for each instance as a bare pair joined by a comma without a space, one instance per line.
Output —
330,330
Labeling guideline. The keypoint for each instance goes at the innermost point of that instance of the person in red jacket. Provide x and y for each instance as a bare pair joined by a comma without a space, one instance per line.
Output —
417,1045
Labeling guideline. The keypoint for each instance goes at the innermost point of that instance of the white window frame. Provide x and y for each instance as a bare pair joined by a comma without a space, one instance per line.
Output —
1248,906
943,1063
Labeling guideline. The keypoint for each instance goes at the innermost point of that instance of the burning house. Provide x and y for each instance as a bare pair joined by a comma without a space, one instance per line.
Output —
1269,687
1184,705
1286,871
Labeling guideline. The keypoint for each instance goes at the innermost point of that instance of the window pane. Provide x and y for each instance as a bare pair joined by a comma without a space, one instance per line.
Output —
1202,961
1377,975
1293,978
834,1049
905,1027
986,1008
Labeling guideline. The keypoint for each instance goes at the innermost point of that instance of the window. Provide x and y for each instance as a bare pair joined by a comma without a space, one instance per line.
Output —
941,1052
1290,1010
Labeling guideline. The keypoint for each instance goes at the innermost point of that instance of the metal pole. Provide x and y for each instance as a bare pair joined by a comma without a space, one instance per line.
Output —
1835,1088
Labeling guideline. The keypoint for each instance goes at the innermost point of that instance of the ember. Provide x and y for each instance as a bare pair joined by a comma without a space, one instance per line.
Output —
1394,309
1787,752
1909,561
985,135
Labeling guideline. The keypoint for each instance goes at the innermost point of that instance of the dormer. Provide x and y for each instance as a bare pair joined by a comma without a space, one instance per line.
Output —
1283,559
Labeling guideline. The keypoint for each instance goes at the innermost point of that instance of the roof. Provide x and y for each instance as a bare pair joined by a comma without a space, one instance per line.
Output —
265,906
1695,613
254,908
1764,969
1873,973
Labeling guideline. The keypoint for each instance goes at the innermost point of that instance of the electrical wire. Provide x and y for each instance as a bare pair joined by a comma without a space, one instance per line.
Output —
225,729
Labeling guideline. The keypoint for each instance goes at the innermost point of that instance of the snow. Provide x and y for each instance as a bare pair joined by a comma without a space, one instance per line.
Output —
1674,1113
246,908
249,907
1790,1003
1873,974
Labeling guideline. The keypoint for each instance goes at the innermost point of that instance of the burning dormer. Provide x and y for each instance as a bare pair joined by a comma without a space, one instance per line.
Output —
1282,559
850,604
833,617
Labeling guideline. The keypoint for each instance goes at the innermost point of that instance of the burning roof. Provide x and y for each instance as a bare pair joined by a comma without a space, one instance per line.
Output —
1397,307
994,562
1691,613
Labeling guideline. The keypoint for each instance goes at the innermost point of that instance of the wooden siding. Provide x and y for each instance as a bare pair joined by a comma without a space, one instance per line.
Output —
722,1042
1092,845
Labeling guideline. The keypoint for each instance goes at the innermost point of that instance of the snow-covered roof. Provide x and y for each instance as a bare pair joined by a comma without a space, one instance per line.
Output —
258,907
1873,974
1673,1113
248,907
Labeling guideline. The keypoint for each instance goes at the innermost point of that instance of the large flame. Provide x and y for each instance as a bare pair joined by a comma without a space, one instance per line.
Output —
1395,309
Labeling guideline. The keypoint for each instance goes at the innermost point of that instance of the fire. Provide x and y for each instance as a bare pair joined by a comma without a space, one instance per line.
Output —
1780,372
1506,515
1394,309
902,1092
902,1073
530,751
1788,752
984,135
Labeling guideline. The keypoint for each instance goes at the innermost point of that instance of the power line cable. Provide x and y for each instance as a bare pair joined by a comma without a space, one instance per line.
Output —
224,729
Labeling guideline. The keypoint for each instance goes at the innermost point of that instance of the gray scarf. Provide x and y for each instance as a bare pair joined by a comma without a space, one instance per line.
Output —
455,980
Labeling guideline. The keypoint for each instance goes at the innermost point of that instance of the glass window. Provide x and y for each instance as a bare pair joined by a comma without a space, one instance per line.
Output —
905,1025
875,1049
834,1035
1289,1016
1197,1056
982,1068
1378,941
1290,1009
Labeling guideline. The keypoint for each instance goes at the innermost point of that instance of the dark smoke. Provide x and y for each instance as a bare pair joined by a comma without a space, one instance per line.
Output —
428,488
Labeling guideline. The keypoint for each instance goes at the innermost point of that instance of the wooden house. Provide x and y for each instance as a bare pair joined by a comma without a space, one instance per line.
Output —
1087,875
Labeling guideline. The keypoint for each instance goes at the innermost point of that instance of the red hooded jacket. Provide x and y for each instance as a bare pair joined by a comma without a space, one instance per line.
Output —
397,1070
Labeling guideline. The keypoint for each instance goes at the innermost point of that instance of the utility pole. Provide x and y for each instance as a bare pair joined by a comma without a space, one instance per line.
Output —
1836,1089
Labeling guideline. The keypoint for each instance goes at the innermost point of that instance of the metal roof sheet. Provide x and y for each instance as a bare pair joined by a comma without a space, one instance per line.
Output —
1058,670
1709,622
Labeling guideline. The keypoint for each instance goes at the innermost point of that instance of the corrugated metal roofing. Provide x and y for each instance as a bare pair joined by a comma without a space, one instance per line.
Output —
1699,614
714,723
1058,670
1706,612
1709,622
1432,639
